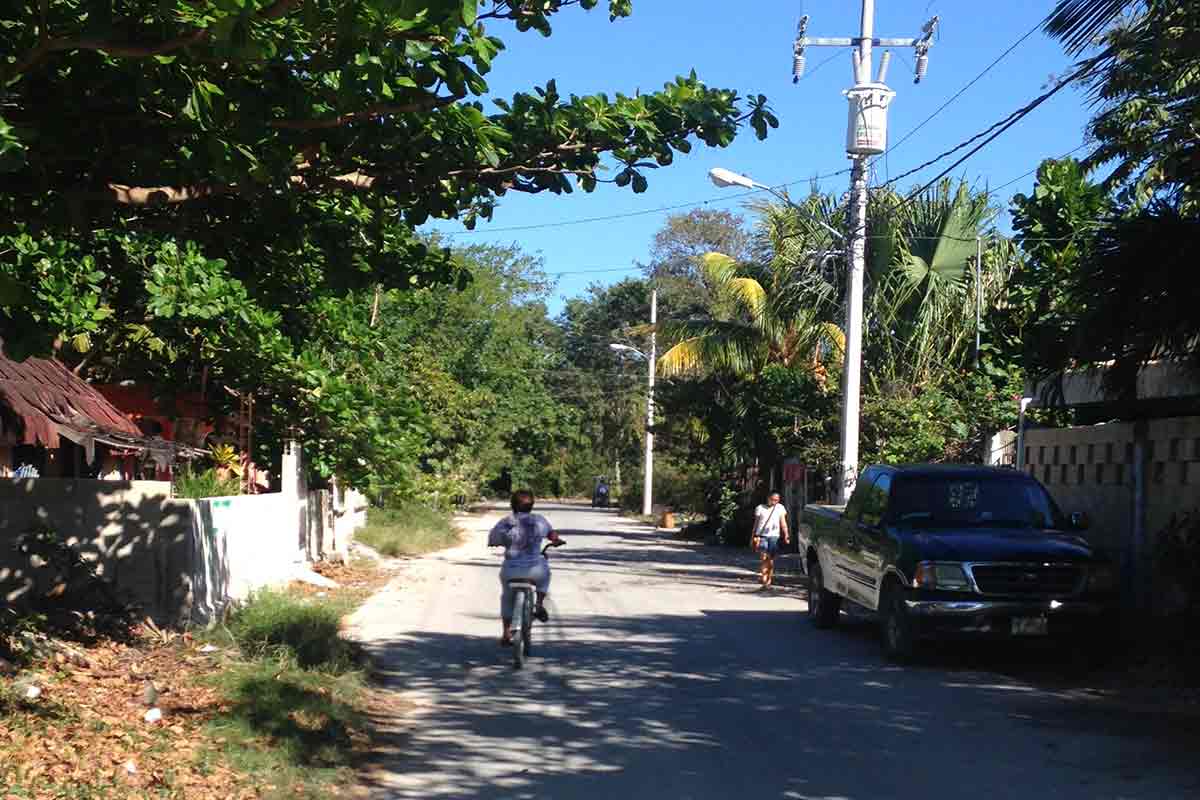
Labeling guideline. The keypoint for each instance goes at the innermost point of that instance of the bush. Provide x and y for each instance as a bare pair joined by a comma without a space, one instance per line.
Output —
192,485
407,531
1177,553
303,631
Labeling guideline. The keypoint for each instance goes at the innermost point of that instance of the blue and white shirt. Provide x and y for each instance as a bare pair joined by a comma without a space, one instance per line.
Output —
521,535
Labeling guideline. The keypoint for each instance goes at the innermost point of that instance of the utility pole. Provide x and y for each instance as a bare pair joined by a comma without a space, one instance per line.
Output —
978,295
866,136
648,478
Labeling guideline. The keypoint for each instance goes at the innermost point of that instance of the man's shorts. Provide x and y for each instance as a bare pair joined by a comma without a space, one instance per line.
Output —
768,545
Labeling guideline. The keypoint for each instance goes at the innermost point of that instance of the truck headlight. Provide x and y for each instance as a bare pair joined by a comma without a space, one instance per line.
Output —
1101,578
934,575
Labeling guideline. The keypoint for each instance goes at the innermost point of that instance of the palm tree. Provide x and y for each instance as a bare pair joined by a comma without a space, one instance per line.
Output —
763,314
921,299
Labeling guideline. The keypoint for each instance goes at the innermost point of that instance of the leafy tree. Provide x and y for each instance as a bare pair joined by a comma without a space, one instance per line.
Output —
1136,297
774,322
1144,76
676,253
227,192
606,387
1054,228
921,304
185,101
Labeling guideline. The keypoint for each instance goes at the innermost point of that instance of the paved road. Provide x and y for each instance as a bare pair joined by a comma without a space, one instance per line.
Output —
664,673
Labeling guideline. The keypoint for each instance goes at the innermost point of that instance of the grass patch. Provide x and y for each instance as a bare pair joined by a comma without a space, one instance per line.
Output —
296,730
294,702
408,531
286,627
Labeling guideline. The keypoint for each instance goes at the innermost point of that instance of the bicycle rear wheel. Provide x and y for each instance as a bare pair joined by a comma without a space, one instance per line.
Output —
527,629
520,612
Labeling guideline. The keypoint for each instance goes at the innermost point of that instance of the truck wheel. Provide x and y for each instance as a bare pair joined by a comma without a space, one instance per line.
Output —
823,605
899,634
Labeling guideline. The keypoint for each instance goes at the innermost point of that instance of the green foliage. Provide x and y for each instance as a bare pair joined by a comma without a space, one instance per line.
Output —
1177,560
1137,262
307,716
950,423
210,195
1054,228
1091,271
1144,76
49,290
410,530
193,484
295,630
676,253
243,99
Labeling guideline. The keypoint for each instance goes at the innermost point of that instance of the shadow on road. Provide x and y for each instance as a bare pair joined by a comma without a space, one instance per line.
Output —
719,702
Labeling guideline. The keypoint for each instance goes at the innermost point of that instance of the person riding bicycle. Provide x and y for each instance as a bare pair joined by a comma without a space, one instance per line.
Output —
521,534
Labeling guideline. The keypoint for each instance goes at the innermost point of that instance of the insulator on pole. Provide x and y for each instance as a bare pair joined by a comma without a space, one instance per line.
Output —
856,64
884,63
798,61
922,67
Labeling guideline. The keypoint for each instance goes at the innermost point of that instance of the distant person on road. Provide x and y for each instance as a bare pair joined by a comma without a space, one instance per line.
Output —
521,535
770,522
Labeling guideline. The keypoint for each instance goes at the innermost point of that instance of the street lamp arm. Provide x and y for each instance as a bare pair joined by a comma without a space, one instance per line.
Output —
788,201
725,178
624,348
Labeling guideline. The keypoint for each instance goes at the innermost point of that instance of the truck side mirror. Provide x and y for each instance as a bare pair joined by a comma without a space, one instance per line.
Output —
1079,520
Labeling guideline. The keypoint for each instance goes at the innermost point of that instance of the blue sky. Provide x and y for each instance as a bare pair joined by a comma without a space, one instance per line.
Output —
747,46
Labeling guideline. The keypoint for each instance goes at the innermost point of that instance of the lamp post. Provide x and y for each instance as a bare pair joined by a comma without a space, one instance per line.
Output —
648,471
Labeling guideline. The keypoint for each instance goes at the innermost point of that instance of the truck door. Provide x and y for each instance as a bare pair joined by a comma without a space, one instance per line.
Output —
872,538
850,580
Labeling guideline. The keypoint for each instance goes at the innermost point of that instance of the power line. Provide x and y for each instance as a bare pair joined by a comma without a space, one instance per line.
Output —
1035,169
645,212
999,129
963,90
594,271
991,133
817,68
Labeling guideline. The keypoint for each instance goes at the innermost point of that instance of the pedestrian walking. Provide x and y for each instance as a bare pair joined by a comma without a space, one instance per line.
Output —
770,524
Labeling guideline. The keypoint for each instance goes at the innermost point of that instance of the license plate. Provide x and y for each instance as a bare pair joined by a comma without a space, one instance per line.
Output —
1029,626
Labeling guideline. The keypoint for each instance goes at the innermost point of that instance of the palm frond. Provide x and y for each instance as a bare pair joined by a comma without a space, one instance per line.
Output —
704,346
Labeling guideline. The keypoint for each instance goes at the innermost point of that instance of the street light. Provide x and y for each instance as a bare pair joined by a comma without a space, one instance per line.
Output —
624,348
648,471
725,178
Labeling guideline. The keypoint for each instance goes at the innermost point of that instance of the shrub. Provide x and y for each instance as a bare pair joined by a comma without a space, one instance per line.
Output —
192,485
301,630
1177,553
409,530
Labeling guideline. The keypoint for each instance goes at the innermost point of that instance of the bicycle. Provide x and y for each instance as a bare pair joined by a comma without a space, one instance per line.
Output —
524,591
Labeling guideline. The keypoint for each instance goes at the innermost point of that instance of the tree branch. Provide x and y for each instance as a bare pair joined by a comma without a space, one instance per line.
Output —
120,50
279,8
427,104
276,10
165,195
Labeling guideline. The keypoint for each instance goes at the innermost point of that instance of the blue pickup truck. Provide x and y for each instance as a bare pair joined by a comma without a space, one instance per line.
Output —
953,550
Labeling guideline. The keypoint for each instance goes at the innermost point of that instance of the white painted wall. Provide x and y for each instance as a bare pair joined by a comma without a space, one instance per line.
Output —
241,544
181,560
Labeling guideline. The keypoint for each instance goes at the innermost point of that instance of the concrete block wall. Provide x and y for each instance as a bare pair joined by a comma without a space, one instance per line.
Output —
181,560
137,536
1092,469
240,544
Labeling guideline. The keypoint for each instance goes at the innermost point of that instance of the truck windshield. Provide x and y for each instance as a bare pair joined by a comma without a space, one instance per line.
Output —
949,501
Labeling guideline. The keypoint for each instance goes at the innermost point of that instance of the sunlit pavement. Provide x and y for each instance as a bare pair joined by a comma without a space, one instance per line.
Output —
665,673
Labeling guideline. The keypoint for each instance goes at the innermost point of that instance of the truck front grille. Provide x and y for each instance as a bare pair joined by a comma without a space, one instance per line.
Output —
1050,580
